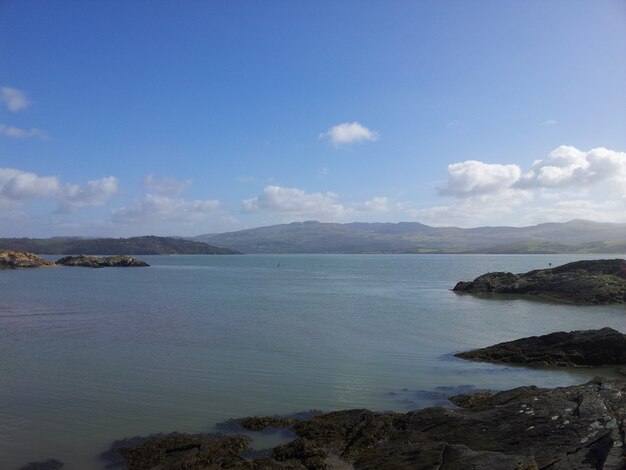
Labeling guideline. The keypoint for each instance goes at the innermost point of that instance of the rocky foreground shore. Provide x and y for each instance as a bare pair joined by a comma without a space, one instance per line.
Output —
581,282
576,427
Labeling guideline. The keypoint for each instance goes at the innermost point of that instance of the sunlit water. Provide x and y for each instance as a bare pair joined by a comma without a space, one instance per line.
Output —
88,356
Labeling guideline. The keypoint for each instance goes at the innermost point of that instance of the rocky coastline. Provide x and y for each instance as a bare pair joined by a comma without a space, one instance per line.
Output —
581,282
576,427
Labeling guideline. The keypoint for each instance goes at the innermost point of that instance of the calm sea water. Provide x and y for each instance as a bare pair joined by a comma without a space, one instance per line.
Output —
88,356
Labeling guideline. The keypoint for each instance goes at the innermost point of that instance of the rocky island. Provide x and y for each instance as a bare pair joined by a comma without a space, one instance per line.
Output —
101,262
576,427
585,348
10,259
581,282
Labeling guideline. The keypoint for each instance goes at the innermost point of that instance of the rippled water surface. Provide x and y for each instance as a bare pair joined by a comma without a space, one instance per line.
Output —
88,356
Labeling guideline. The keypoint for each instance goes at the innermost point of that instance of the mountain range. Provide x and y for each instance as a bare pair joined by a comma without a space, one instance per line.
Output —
576,236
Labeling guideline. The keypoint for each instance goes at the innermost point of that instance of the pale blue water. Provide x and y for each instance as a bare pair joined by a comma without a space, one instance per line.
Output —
88,356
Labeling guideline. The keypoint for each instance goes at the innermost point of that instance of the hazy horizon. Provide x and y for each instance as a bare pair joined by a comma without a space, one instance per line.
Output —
123,119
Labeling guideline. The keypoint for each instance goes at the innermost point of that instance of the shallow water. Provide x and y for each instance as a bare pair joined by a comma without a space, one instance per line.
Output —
88,356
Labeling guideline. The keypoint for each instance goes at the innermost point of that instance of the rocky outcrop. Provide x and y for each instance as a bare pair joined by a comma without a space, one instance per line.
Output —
586,348
576,427
259,423
101,262
10,259
581,282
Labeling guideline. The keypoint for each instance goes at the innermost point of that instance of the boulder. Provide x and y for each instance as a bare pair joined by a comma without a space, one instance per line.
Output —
581,282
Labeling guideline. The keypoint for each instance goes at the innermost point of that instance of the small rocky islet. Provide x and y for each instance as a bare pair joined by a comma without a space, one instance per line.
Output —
581,282
10,259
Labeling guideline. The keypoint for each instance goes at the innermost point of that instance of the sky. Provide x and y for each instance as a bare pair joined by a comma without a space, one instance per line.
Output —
123,118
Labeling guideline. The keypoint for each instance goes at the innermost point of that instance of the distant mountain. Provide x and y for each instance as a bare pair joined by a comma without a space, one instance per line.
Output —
576,236
148,245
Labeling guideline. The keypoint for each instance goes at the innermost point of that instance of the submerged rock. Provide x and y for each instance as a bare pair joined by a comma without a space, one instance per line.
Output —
576,427
10,259
604,347
101,262
581,282
50,464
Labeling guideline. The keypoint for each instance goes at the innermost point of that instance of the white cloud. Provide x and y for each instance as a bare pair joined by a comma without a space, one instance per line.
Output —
13,99
549,122
377,204
348,133
294,201
18,185
570,167
17,133
163,209
563,211
475,210
168,186
473,178
570,183
297,203
95,193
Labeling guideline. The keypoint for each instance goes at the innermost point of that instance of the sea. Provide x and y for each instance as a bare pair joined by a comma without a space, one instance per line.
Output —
90,356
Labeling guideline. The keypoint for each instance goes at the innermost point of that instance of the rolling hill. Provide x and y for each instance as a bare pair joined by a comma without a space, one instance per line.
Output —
148,245
576,236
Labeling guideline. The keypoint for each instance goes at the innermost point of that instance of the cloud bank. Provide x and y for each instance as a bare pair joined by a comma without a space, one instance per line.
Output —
569,183
18,186
297,203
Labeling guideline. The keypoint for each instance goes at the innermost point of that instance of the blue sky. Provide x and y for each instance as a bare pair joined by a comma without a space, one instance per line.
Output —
124,118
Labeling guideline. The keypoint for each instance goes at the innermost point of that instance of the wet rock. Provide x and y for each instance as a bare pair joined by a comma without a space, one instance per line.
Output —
10,259
580,282
601,347
178,451
101,262
259,423
576,427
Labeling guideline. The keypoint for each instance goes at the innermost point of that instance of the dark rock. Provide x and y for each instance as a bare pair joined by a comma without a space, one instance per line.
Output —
604,347
527,428
89,261
580,282
259,423
189,451
10,259
50,464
